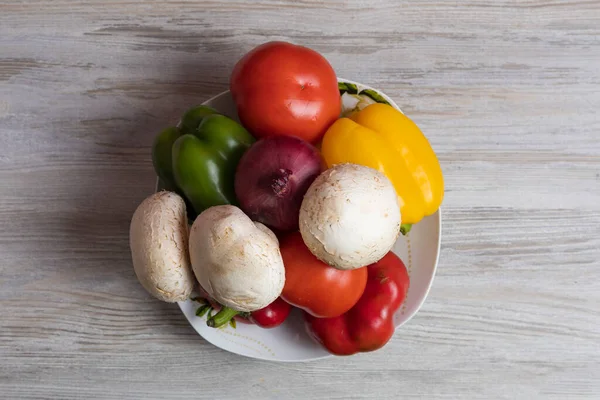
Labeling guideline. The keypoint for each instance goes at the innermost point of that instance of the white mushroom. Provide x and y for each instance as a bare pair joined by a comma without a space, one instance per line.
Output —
237,261
350,216
158,238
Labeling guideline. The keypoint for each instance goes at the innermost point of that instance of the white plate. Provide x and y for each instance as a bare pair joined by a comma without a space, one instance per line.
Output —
289,342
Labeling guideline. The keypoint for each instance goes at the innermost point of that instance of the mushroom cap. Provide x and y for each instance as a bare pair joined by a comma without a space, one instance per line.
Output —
236,260
350,216
158,238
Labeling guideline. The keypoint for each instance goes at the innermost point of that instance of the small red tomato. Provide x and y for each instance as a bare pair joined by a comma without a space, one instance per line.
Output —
284,89
272,315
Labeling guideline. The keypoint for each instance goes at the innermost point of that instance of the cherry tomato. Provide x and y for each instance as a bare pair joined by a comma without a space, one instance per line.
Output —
315,287
284,89
272,315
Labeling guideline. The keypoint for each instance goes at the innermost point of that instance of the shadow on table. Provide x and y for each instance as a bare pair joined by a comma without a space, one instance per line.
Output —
112,171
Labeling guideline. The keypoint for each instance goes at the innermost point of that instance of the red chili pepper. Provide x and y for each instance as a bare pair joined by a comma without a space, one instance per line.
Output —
368,325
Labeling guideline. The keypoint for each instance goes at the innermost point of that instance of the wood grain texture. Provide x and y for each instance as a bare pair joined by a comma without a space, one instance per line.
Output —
508,93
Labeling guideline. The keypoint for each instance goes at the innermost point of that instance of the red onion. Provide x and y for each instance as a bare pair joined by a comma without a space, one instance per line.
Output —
272,177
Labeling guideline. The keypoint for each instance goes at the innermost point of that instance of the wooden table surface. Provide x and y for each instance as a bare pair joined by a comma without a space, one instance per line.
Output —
508,93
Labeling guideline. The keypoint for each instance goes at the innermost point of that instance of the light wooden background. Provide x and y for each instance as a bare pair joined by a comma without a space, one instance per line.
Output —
507,91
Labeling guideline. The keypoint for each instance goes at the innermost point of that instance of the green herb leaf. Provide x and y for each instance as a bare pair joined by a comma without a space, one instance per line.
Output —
198,300
374,95
346,87
202,310
232,323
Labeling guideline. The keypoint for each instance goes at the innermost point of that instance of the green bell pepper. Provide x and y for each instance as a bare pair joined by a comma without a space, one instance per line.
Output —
163,143
204,163
193,117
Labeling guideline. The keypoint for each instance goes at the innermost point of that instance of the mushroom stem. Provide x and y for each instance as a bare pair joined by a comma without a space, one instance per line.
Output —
222,317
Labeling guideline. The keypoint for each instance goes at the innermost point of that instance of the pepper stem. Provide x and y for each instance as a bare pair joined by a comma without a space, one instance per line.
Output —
222,317
405,228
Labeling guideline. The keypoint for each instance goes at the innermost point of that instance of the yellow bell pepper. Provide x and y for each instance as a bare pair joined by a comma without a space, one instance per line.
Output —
381,137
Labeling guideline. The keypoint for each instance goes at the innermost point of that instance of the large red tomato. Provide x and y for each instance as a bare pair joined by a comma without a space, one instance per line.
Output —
314,286
284,89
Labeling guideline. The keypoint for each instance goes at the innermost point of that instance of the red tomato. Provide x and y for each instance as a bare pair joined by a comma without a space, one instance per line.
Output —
314,286
284,89
272,315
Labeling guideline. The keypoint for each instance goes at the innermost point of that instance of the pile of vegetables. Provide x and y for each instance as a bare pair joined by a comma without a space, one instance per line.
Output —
299,205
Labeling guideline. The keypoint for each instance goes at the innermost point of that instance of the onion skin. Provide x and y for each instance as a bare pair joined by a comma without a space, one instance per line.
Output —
272,178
